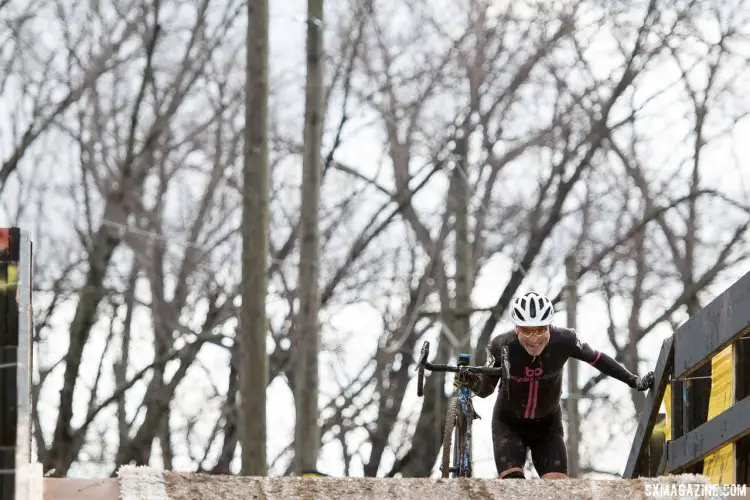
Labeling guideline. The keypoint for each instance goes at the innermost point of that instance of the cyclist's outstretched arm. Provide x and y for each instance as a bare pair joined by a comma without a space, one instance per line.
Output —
602,362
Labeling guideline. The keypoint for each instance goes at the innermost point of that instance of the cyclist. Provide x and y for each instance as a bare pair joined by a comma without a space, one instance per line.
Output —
527,411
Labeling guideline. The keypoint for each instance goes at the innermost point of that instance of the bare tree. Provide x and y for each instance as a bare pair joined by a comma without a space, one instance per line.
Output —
668,255
151,146
583,146
42,84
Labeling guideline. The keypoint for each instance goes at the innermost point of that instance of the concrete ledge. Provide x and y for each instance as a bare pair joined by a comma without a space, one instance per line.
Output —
184,486
29,482
80,489
202,487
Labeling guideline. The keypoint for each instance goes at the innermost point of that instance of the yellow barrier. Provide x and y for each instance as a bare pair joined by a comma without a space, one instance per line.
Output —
719,466
668,420
9,279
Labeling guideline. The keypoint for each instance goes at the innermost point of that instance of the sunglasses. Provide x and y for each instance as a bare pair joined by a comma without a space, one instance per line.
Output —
527,334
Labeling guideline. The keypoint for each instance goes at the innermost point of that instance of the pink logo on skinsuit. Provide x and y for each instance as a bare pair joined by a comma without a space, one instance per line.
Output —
533,372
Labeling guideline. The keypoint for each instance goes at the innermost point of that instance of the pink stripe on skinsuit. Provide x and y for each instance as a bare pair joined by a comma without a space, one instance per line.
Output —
596,359
528,402
536,393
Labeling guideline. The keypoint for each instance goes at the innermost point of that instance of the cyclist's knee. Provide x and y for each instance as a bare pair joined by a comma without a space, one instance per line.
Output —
513,473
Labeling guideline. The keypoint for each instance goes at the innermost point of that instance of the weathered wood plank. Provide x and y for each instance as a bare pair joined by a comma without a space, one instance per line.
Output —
651,406
717,325
727,427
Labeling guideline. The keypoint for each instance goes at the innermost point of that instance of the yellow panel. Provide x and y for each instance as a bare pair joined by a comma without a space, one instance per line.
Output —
660,428
667,421
10,282
719,466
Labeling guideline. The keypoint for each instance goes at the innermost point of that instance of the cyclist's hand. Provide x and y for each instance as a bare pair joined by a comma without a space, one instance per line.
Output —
645,382
464,378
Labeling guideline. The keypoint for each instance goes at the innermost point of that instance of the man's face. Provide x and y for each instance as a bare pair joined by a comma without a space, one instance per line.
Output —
533,338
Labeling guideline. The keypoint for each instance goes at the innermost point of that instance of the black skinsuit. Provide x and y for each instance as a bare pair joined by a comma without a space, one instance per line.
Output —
527,411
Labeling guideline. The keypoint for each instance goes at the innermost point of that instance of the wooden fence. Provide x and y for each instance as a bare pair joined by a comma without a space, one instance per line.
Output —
702,377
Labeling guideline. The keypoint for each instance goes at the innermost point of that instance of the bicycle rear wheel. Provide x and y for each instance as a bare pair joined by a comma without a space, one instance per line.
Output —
451,418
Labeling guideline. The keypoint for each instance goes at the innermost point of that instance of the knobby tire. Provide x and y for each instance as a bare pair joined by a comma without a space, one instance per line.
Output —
451,416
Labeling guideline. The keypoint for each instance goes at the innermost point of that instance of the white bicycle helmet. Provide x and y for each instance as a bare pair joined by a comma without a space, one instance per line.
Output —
532,309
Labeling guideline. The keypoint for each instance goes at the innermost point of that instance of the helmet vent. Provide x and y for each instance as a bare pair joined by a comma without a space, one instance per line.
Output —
520,314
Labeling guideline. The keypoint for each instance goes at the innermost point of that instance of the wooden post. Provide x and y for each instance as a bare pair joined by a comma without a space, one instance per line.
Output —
8,355
650,412
741,391
15,357
25,364
306,334
253,330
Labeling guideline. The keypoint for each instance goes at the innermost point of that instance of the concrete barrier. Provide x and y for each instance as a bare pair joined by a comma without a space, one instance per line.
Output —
143,483
199,487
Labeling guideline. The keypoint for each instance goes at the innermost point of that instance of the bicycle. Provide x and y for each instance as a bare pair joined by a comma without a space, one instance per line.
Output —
460,414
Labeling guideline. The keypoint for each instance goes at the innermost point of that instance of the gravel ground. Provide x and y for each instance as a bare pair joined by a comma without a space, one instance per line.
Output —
181,486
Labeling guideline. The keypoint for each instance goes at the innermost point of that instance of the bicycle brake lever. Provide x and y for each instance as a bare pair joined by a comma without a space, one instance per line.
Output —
423,354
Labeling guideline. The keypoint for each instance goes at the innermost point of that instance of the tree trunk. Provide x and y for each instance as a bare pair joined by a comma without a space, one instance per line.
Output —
574,426
630,350
63,451
255,206
307,436
464,254
121,366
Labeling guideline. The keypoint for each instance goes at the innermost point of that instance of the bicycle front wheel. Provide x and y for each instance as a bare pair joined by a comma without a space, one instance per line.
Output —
451,418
